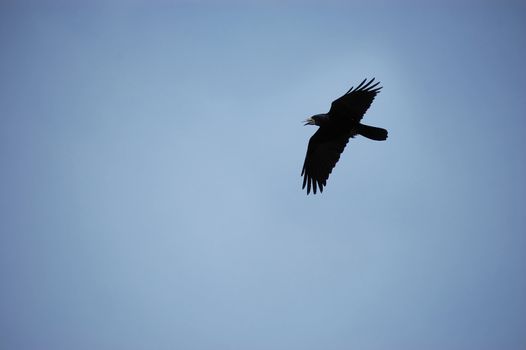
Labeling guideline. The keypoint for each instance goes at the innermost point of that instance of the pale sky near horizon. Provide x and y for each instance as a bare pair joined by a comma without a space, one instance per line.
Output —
150,157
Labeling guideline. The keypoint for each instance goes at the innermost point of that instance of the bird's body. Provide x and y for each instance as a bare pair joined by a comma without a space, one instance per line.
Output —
335,128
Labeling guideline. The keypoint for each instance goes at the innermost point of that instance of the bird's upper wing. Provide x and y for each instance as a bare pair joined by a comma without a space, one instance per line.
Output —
323,153
355,102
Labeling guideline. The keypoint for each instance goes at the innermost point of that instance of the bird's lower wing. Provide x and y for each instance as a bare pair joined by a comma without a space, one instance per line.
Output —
322,156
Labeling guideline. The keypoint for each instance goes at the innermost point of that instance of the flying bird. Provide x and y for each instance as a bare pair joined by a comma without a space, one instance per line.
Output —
335,128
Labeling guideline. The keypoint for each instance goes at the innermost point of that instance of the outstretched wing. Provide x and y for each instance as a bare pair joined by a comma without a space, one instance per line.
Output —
355,102
323,153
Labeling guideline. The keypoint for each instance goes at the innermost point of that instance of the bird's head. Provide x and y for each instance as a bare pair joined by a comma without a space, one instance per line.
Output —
317,119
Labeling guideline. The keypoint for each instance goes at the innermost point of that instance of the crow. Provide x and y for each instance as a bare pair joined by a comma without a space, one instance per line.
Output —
335,128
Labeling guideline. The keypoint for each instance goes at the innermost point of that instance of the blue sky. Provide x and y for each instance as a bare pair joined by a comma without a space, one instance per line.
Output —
151,192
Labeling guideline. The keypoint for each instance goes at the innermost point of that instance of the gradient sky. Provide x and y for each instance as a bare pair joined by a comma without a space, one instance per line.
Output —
150,158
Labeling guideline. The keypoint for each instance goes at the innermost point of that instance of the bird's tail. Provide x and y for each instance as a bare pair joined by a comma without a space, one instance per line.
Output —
371,132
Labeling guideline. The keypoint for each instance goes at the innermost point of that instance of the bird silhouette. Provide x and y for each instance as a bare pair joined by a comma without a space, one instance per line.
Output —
335,128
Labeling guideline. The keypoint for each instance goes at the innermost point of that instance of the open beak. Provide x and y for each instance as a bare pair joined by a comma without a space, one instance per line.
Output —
308,121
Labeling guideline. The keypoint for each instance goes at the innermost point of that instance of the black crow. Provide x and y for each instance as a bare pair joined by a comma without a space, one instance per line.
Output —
335,128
